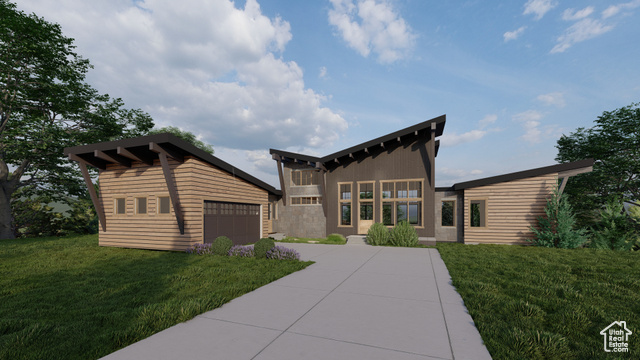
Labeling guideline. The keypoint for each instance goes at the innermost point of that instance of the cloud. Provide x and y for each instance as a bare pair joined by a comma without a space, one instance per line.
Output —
450,138
487,120
206,66
530,123
582,30
372,26
615,9
554,98
323,72
571,14
538,7
458,173
512,35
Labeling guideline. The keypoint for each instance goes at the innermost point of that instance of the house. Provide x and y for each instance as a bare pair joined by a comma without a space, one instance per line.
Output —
160,192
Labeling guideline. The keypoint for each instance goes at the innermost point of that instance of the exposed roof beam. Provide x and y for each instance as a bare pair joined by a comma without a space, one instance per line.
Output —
382,145
94,196
135,157
168,152
366,150
398,138
336,160
114,159
351,155
99,163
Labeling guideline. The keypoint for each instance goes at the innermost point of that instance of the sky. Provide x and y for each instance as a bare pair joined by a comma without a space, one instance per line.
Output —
316,77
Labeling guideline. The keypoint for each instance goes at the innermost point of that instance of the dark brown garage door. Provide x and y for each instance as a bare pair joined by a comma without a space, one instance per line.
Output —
239,222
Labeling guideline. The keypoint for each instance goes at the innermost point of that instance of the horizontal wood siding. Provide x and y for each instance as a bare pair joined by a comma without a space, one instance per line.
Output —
512,208
196,181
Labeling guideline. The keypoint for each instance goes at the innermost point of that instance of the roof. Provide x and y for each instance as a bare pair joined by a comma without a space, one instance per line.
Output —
566,169
101,154
415,130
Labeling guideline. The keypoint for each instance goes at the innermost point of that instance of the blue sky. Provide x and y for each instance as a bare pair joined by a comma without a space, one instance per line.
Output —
319,76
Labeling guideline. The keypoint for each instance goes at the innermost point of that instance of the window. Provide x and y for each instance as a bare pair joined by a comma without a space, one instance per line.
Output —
478,213
366,211
141,205
306,200
344,204
448,213
402,201
164,205
366,191
304,177
120,206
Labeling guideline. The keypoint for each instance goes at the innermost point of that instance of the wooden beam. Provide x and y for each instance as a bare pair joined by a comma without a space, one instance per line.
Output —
366,150
576,171
336,160
166,151
280,174
382,145
98,163
564,183
114,159
173,191
398,138
324,192
92,191
416,133
351,155
135,157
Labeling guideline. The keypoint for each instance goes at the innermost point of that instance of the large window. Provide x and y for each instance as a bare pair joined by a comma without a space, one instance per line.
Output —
478,213
365,191
402,201
448,213
344,203
305,177
306,200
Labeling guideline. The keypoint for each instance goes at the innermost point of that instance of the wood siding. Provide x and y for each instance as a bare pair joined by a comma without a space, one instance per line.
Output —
196,181
512,208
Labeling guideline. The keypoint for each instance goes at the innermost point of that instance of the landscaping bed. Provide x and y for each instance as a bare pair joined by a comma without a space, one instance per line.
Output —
333,239
69,298
542,303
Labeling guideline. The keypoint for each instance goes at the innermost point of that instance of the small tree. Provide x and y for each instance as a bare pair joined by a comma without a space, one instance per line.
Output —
616,230
557,229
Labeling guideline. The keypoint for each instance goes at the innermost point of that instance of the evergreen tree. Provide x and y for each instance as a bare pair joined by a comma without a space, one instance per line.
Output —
557,229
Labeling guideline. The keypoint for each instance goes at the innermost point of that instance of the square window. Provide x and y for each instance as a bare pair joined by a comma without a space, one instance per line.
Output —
387,190
448,213
345,192
401,189
366,211
366,191
415,189
141,205
164,205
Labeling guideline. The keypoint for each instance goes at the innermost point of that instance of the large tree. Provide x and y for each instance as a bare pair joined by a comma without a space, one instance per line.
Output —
46,105
614,143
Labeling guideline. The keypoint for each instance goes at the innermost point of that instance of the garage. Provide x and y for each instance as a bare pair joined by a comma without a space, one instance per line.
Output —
239,222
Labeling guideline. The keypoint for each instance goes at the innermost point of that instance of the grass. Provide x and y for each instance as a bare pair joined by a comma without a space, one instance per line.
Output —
69,298
334,240
540,303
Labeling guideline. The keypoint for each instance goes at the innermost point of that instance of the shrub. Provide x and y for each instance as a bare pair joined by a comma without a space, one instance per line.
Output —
615,230
221,245
262,246
557,229
378,234
403,234
336,238
241,251
282,253
200,249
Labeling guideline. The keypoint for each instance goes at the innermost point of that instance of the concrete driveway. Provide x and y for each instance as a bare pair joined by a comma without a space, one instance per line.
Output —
355,302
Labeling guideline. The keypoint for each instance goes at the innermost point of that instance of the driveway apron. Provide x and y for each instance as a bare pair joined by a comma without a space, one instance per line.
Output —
355,302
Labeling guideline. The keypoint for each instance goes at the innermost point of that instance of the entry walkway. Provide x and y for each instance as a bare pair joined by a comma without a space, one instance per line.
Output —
355,302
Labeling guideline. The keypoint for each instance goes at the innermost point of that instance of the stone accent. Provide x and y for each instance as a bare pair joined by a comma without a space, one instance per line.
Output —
451,234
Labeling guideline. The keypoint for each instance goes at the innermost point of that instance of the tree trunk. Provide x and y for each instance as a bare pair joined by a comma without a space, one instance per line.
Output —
5,212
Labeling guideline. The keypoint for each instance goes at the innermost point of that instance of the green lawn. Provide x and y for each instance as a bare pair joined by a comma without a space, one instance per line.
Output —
334,240
540,303
68,298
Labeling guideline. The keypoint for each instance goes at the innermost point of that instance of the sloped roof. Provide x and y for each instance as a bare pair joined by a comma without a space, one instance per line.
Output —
101,154
410,131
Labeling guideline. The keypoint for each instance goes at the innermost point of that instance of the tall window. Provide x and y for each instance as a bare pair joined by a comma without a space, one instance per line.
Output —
305,177
366,200
141,205
448,212
120,206
478,213
402,201
344,203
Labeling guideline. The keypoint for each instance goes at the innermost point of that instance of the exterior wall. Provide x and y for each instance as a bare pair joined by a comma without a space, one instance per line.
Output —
300,220
409,159
450,233
512,207
196,181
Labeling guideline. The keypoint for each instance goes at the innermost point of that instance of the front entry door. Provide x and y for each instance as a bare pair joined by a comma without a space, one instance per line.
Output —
366,206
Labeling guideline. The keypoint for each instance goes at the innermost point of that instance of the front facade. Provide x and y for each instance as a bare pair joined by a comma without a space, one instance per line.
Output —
160,192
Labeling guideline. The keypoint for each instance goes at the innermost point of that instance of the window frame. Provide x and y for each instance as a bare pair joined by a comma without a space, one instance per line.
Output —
404,191
314,176
158,197
136,205
306,200
115,205
454,209
345,202
483,212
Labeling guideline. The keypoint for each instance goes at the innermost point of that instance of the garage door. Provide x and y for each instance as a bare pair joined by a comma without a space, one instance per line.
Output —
239,222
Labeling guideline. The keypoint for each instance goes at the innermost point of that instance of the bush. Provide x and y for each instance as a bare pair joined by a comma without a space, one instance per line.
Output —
35,218
200,249
282,253
241,251
615,230
378,235
221,245
336,238
403,234
557,229
262,246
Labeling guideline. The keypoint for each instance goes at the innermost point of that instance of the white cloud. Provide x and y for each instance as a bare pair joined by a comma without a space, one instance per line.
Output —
450,138
203,65
571,14
323,72
582,30
554,98
512,35
615,9
530,123
458,173
538,7
372,26
487,120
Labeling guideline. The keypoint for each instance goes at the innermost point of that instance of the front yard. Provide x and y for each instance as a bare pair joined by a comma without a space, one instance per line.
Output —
68,298
540,303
